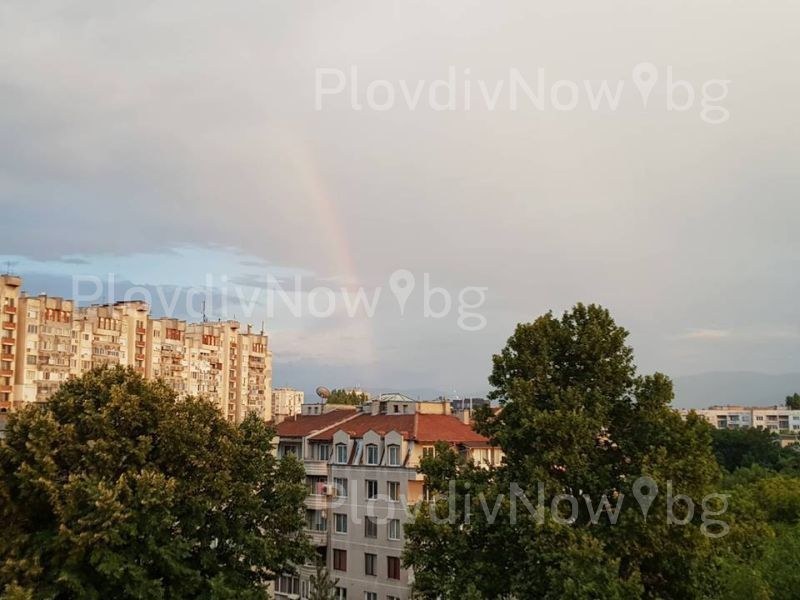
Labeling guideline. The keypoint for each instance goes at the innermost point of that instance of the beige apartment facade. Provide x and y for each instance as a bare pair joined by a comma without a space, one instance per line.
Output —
774,418
45,340
44,347
286,403
361,472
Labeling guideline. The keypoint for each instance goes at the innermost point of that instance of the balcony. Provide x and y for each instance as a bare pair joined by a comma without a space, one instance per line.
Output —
5,406
10,310
140,344
8,341
6,356
317,538
6,389
316,467
6,372
9,325
141,330
317,502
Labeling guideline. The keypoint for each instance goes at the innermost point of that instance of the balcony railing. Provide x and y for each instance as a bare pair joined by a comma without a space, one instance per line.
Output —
317,538
6,389
10,310
317,502
316,467
9,325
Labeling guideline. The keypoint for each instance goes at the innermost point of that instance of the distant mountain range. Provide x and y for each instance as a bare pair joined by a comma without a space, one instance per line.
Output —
734,387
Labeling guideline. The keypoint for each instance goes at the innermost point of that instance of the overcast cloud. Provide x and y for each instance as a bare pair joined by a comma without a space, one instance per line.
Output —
133,131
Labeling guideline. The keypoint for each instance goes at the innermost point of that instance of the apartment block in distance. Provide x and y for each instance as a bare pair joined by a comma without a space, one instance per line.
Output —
775,418
45,340
9,331
44,347
286,402
361,472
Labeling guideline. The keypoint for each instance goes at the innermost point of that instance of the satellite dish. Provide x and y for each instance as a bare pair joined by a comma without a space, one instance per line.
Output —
323,392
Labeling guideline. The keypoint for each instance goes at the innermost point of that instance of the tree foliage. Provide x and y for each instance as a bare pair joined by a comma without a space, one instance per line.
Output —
323,587
351,397
576,419
793,401
115,489
747,447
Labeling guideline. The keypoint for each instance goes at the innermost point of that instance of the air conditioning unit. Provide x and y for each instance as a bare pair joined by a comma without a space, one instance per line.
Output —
329,490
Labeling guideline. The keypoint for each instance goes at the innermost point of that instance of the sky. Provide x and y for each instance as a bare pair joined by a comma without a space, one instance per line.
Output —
179,148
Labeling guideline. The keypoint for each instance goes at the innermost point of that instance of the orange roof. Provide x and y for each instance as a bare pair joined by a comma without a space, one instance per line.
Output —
303,425
417,427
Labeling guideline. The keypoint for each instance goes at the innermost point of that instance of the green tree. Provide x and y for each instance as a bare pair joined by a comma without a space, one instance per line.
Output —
322,586
351,397
793,401
115,489
576,419
735,448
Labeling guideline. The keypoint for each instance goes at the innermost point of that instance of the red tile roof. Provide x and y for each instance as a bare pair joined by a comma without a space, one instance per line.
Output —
416,427
303,425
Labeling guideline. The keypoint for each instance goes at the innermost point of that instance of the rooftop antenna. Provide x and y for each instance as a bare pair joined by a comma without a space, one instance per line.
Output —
204,312
262,327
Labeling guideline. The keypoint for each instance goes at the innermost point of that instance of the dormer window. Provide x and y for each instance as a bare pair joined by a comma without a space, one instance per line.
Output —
372,454
394,455
341,454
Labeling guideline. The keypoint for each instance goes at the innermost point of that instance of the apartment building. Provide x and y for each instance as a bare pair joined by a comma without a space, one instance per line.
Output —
168,358
286,402
775,418
361,472
9,301
45,340
44,348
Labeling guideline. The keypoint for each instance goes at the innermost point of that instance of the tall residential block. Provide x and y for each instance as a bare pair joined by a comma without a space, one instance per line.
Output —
44,347
286,403
9,332
45,340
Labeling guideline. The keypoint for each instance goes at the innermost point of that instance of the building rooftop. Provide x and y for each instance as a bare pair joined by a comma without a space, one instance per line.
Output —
303,425
418,427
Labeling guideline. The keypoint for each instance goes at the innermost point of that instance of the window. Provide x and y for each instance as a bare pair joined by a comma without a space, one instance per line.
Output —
372,489
394,455
370,564
340,593
372,454
322,452
340,487
341,454
427,452
288,585
32,328
340,522
394,529
393,567
340,560
392,597
370,595
394,490
370,527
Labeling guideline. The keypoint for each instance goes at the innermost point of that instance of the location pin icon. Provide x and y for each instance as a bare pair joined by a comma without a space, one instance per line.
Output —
401,283
645,491
645,76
